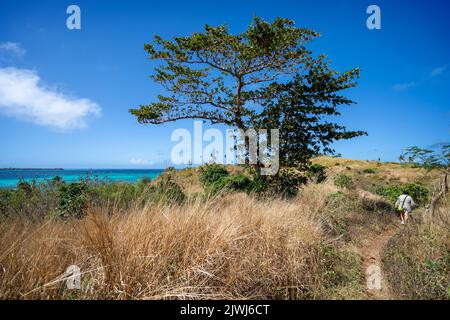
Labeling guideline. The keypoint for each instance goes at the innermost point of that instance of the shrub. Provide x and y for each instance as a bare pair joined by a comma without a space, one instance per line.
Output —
286,183
30,200
169,192
5,198
215,187
259,185
215,178
343,181
73,199
118,193
239,182
420,194
57,180
55,197
26,187
336,196
369,171
316,172
234,183
211,173
144,181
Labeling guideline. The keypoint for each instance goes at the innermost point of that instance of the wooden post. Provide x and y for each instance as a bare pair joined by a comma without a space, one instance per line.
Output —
429,215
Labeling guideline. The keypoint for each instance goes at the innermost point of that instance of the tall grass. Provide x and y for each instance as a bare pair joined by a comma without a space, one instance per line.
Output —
155,242
417,259
228,247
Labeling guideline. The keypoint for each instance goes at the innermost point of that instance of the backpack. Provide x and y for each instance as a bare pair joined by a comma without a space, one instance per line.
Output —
399,207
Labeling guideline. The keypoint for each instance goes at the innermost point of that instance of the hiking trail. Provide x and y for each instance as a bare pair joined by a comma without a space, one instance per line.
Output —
371,259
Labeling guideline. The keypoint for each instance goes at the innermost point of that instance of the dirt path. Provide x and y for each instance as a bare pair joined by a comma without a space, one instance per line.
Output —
376,284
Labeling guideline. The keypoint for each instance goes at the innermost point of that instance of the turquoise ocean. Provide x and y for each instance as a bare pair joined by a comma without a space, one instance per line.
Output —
10,178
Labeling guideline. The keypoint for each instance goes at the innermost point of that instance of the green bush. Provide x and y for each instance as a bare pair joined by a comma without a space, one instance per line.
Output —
420,194
215,178
369,171
234,183
316,172
259,185
144,181
5,199
73,199
169,192
343,181
29,199
239,183
117,193
216,187
55,197
336,196
286,183
26,187
212,173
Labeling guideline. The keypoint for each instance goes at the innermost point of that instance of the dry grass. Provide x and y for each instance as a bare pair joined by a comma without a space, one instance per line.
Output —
189,178
234,246
385,171
230,247
417,258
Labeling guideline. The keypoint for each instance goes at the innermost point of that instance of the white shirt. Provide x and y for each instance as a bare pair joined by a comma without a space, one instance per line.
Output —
406,202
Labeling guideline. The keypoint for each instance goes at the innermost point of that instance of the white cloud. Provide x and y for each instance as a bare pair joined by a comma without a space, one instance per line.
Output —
22,97
437,71
425,78
139,162
404,86
12,48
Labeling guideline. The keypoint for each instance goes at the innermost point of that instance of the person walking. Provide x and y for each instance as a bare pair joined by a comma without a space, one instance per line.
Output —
404,205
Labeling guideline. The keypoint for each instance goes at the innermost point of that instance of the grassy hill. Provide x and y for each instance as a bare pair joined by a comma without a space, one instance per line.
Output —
174,239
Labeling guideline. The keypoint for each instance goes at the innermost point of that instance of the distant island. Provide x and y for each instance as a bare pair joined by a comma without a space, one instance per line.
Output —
31,169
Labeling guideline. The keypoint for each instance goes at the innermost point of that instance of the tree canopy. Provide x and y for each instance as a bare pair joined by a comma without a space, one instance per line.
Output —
298,109
264,77
213,75
429,159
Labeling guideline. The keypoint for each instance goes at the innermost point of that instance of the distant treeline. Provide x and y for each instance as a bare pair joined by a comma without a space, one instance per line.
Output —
30,169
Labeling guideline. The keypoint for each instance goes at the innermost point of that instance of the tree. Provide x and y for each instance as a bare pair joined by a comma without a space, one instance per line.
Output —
431,159
298,108
246,80
213,75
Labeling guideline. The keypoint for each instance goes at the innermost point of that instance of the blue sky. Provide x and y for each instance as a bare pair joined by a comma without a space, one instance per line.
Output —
102,70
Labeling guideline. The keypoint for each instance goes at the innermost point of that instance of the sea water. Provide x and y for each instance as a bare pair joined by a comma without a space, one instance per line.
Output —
10,178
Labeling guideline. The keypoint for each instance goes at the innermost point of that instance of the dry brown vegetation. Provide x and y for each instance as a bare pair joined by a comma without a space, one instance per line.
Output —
417,258
232,246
